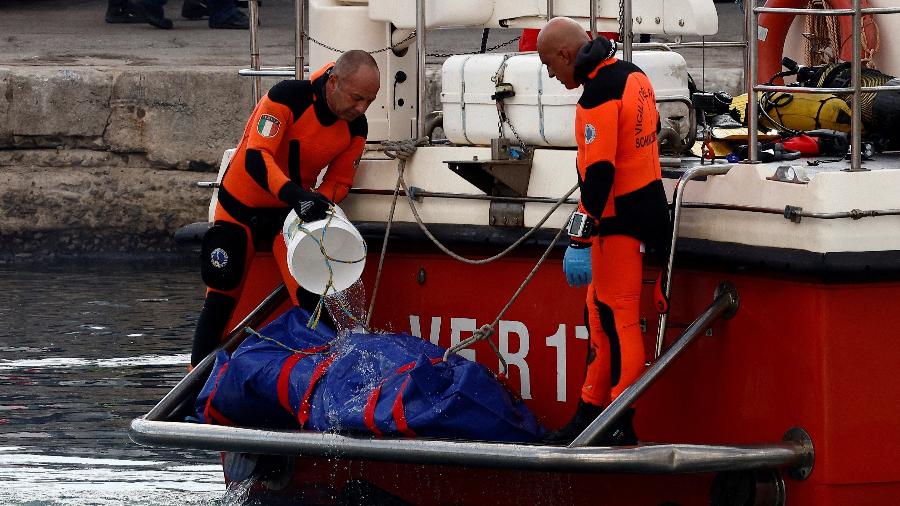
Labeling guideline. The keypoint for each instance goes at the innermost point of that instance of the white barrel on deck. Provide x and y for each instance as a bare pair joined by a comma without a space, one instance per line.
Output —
336,264
542,112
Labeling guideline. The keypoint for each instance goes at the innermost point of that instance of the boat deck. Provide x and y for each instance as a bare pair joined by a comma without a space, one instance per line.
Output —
673,167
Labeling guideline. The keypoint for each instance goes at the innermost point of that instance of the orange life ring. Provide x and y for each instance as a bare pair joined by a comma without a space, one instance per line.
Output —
773,30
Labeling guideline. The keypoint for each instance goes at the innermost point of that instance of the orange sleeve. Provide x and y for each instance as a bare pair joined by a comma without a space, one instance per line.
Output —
341,171
269,123
596,170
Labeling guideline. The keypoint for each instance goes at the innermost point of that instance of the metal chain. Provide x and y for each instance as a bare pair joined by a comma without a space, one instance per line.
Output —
487,50
621,21
409,37
502,117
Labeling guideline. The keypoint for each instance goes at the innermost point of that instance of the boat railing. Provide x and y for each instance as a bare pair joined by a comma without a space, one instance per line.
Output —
751,13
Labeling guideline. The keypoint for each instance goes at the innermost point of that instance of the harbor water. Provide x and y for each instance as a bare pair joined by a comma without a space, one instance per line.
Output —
84,348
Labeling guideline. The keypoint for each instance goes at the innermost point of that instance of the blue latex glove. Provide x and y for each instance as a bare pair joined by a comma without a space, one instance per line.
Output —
577,266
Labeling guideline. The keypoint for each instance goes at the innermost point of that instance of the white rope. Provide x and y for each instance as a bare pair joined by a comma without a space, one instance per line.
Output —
402,151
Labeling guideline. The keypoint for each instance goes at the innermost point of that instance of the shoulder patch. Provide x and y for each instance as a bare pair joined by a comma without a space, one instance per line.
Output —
590,133
268,126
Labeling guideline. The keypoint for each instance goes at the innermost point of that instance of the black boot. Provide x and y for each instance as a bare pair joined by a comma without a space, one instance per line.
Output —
236,20
584,415
119,11
154,14
194,9
620,433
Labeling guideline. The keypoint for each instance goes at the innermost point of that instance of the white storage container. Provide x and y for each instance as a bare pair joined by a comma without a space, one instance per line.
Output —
438,13
542,110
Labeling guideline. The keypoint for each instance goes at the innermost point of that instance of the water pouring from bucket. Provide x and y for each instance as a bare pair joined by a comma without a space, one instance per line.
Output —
325,256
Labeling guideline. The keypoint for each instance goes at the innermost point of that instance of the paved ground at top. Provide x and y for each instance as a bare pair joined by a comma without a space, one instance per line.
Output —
73,32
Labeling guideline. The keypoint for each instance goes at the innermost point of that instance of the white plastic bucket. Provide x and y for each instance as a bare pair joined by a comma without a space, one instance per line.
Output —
341,242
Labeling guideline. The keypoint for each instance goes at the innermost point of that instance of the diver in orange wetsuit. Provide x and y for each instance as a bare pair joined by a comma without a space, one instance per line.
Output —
622,202
298,129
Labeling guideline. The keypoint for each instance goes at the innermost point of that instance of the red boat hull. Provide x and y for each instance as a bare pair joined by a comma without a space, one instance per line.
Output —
800,352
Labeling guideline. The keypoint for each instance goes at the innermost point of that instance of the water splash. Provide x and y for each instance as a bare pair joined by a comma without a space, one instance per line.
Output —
348,308
238,492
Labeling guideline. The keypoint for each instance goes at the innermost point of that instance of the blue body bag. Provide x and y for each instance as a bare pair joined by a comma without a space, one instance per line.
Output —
291,377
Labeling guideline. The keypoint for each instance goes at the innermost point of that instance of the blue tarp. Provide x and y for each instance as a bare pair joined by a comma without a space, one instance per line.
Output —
384,384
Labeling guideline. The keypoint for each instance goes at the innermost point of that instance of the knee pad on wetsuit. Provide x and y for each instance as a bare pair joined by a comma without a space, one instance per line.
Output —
223,255
608,325
214,316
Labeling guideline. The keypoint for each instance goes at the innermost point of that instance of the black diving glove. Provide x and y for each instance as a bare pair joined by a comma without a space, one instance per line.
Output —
312,206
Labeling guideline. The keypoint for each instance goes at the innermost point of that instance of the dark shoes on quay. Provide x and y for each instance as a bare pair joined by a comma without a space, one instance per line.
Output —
621,433
124,12
153,14
194,9
237,20
199,9
142,11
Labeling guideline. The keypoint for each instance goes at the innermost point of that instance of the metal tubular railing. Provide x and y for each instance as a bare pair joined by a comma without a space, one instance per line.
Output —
254,48
256,71
299,8
789,212
855,89
693,45
627,27
420,68
724,306
806,89
751,77
593,18
271,72
855,83
646,459
677,205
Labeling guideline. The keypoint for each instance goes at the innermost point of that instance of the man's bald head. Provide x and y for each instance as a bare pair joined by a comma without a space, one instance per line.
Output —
354,61
353,84
558,44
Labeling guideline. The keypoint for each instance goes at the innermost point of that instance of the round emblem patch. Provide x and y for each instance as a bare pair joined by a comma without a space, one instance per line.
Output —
590,133
268,126
218,258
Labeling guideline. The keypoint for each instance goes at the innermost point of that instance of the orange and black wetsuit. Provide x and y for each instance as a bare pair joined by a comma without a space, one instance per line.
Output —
616,124
290,138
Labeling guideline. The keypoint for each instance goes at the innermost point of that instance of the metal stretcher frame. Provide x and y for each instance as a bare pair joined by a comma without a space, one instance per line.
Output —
160,428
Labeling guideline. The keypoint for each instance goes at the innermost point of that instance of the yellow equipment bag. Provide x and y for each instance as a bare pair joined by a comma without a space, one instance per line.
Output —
796,111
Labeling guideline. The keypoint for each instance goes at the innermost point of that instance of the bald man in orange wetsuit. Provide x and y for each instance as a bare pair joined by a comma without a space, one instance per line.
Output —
622,198
298,129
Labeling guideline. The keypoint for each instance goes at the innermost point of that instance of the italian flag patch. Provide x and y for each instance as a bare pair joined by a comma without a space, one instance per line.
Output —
268,125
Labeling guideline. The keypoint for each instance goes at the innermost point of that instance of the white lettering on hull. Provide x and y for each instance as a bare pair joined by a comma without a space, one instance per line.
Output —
457,327
558,341
416,329
515,360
